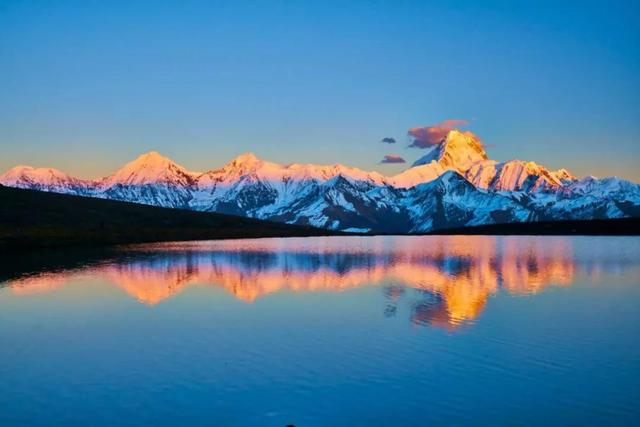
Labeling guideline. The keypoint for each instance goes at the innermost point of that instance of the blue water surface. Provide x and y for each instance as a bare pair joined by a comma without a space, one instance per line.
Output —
339,331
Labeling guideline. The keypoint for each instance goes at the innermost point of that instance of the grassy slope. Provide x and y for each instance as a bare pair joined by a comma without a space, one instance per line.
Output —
38,219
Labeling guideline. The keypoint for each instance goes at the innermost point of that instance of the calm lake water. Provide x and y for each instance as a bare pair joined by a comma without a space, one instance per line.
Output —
338,331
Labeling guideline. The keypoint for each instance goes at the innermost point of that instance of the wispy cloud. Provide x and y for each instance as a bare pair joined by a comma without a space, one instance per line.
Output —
388,140
428,136
392,158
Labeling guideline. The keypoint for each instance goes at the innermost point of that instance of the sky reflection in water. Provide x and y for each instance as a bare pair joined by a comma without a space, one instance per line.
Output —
272,331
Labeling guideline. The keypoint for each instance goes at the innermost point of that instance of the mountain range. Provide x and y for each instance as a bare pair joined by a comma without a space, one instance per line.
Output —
454,185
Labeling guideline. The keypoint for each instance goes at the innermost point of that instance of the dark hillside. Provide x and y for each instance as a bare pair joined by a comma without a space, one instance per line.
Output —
31,219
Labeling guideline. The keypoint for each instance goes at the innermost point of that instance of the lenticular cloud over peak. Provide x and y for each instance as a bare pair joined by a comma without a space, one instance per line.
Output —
428,136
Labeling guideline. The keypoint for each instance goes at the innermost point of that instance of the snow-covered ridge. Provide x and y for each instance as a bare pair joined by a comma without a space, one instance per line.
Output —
248,163
464,153
44,179
459,151
454,184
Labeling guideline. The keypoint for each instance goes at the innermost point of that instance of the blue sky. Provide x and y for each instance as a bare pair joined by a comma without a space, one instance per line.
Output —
88,85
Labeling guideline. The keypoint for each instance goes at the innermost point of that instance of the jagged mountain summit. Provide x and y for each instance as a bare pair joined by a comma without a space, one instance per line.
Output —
464,153
150,168
152,179
455,184
457,150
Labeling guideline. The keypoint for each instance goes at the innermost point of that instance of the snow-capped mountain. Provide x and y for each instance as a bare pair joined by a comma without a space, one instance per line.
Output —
464,153
151,179
43,179
459,150
150,168
455,184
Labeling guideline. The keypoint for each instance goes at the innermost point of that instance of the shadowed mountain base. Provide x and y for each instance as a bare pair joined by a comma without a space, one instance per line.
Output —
30,219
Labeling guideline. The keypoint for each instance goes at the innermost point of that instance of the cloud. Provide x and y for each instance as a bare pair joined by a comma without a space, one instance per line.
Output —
392,158
388,140
428,136
452,123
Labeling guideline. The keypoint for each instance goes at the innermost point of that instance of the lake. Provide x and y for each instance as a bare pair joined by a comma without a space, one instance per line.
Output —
339,331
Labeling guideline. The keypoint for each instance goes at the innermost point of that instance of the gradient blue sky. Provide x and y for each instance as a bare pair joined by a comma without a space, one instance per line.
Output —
86,85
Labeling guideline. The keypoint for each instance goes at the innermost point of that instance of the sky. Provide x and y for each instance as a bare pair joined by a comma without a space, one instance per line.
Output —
86,86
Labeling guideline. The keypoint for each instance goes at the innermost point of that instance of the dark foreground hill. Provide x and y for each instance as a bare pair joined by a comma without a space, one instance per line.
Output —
30,219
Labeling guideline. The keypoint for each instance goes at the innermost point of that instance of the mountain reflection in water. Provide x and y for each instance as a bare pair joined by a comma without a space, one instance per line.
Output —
452,276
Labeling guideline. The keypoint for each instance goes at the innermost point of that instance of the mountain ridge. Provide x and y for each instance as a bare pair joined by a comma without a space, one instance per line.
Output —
454,185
